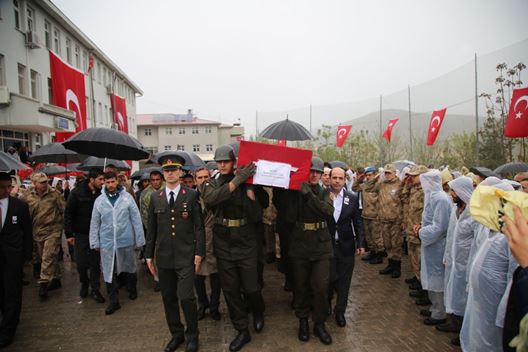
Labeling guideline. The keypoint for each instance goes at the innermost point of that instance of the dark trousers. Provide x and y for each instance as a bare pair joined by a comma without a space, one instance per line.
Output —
112,288
260,253
239,282
177,287
10,293
88,262
285,229
310,288
341,269
203,301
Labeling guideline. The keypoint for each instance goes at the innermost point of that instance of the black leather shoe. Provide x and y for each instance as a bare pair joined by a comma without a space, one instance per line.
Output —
157,287
54,284
418,294
43,291
324,336
388,269
192,346
377,259
423,301
258,321
340,319
416,286
215,315
36,271
112,307
425,312
448,327
174,343
201,312
368,256
132,294
432,321
455,341
304,330
411,280
240,340
396,269
97,296
5,341
84,291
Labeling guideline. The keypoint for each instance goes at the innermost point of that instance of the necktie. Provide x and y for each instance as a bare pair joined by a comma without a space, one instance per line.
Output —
171,200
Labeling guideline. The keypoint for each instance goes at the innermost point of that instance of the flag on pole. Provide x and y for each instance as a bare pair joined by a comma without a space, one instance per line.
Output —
434,125
119,112
517,121
90,63
388,132
342,134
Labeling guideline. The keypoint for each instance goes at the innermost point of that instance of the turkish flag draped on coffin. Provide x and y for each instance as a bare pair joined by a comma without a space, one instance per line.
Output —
67,84
342,134
517,122
119,112
434,125
388,132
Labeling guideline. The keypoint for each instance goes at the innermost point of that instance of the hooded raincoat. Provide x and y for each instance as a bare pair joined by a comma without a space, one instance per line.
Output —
435,221
116,230
457,250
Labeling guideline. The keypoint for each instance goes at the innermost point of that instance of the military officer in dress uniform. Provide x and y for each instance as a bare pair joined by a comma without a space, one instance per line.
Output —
176,240
237,211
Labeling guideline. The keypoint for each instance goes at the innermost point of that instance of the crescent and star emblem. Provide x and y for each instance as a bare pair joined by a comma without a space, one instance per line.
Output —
519,114
341,132
433,127
71,97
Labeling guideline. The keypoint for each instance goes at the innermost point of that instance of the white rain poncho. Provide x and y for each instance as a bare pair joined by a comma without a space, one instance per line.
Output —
457,249
116,231
435,221
492,268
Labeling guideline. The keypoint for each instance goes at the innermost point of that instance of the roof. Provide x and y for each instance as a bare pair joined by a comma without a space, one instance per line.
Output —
171,119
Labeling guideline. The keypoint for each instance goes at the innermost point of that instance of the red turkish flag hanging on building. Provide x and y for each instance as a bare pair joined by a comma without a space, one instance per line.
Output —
342,134
517,122
67,84
119,112
388,132
434,125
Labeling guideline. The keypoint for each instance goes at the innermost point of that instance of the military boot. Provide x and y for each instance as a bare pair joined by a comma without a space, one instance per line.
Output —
320,331
388,269
377,259
396,272
43,291
54,284
36,270
304,330
369,256
240,340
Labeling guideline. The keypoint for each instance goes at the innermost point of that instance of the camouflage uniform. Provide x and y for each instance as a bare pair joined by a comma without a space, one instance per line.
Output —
144,202
413,216
47,212
370,213
390,215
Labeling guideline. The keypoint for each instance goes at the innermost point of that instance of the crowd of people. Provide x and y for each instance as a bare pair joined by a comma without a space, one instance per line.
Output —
211,225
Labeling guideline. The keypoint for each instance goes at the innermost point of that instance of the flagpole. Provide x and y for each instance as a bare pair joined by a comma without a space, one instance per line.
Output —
92,91
256,126
310,118
476,116
410,122
380,123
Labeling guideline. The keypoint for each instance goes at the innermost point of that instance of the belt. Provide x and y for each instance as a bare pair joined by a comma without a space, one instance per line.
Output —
311,226
231,222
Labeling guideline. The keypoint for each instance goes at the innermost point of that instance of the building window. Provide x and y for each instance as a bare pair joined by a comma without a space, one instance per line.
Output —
50,93
148,132
30,19
68,51
208,147
17,13
208,130
34,75
56,41
181,130
196,147
168,130
77,56
2,71
22,79
47,34
168,147
151,150
181,147
194,130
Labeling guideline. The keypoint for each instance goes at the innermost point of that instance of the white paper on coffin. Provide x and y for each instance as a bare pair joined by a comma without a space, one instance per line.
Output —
271,173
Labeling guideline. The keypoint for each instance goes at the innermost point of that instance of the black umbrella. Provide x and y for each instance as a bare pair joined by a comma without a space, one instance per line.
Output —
107,143
483,172
192,160
337,163
286,130
147,170
401,164
511,168
91,162
8,163
51,170
56,153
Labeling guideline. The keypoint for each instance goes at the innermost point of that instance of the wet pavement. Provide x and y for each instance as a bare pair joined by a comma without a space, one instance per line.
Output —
380,315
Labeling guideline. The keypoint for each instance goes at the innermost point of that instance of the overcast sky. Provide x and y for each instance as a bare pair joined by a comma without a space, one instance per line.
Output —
227,59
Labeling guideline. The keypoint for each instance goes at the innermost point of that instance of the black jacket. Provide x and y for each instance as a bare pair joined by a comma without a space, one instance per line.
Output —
16,236
349,225
78,213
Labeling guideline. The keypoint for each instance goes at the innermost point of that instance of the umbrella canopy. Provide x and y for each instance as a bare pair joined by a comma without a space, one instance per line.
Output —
56,153
211,165
483,172
511,168
106,143
91,162
8,163
52,170
337,163
401,164
145,171
192,160
286,130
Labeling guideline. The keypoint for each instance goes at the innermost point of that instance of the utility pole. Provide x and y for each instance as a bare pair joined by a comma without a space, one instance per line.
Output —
310,118
410,123
381,131
476,116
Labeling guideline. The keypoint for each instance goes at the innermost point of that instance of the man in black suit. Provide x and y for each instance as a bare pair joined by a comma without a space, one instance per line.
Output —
346,228
176,240
16,240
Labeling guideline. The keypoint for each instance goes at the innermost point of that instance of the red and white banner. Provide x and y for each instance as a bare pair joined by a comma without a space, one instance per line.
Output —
67,84
342,134
434,125
119,112
517,122
388,132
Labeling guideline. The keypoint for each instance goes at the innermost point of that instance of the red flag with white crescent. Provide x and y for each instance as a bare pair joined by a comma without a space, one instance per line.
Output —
67,85
388,132
517,122
434,125
119,112
342,134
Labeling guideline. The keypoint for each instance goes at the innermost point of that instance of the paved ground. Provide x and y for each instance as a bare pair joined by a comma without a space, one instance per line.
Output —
381,317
